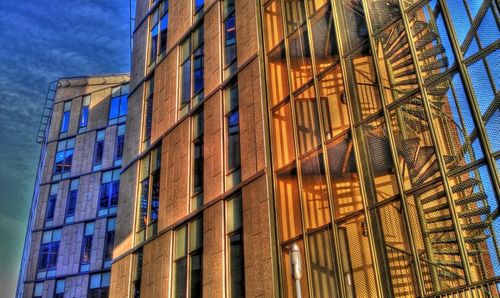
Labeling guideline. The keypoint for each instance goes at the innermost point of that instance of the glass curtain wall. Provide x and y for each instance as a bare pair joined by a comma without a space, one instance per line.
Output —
385,162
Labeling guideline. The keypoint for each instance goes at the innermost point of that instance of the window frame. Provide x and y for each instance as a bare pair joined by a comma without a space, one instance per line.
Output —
86,247
65,119
119,94
156,21
51,202
84,114
50,239
69,217
109,243
228,11
67,148
98,154
229,110
119,145
229,233
108,187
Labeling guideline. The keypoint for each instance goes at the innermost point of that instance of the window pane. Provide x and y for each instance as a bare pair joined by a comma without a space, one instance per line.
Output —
289,217
284,149
180,272
155,196
322,266
234,216
51,206
120,140
195,234
186,82
196,275
180,242
230,39
300,59
72,197
123,105
198,167
143,204
233,139
277,74
163,29
99,151
113,108
84,117
295,14
198,70
153,43
237,266
273,25
325,44
199,5
65,121
306,109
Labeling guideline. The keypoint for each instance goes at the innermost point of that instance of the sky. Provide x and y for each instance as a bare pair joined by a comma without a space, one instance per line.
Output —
41,41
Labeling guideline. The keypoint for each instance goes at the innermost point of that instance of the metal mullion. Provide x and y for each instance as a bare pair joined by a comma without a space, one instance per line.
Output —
356,145
395,159
296,142
438,152
473,103
336,252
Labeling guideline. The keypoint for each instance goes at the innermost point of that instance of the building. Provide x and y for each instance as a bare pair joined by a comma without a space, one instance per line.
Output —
363,131
358,138
69,242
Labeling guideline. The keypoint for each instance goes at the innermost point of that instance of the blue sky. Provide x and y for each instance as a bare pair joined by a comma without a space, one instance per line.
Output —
42,40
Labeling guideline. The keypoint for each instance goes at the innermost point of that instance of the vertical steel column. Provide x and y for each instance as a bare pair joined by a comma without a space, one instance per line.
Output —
439,155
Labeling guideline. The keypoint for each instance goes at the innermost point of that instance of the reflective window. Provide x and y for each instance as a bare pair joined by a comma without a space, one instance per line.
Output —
108,193
192,70
149,195
119,143
148,111
232,116
99,149
63,159
65,118
109,242
49,251
229,38
38,290
51,205
71,201
84,114
188,259
99,285
59,288
197,160
86,254
118,105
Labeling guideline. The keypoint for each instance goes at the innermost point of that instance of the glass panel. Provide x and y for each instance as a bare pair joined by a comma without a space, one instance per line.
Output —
288,203
153,43
234,216
196,274
277,74
306,109
273,25
333,103
180,271
300,59
343,176
295,14
155,196
284,149
236,265
357,264
230,39
326,51
180,242
321,263
353,23
198,69
314,191
233,140
186,82
195,234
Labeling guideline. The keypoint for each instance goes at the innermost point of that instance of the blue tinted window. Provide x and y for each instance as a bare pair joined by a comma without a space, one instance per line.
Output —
123,105
230,39
114,105
198,70
71,205
65,121
199,4
63,161
51,207
154,43
84,117
163,32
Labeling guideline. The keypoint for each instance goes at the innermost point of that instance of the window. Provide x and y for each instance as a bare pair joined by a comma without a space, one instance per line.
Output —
118,105
38,290
232,128
59,288
148,111
192,70
49,250
99,149
197,145
137,275
64,158
86,254
108,194
234,232
51,205
149,195
99,285
198,7
72,198
65,119
158,32
229,38
120,141
84,114
109,243
188,259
